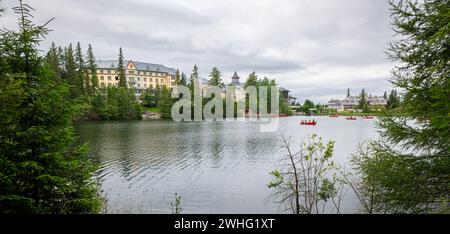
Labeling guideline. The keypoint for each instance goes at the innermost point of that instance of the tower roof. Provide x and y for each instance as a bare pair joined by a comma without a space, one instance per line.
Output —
235,79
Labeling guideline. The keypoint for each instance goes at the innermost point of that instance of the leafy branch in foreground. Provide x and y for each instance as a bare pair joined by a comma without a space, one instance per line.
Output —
309,183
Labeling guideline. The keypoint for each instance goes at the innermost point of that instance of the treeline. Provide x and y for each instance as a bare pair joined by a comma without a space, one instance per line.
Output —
162,98
79,71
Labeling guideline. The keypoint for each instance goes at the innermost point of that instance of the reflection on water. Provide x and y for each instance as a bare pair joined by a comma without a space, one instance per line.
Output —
217,167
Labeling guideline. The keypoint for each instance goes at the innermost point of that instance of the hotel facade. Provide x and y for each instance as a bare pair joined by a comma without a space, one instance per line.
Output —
139,75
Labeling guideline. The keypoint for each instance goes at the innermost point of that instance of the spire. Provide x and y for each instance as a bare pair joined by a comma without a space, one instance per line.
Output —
235,79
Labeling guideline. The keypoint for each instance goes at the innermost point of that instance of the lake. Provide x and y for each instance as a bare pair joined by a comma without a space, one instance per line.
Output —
216,167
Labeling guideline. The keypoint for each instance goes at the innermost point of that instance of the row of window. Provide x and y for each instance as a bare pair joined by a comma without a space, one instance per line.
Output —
131,73
102,78
102,84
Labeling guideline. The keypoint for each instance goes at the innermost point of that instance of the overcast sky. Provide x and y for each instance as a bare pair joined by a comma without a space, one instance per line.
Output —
315,48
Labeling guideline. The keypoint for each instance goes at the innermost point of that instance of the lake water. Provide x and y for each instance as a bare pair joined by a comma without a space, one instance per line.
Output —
216,167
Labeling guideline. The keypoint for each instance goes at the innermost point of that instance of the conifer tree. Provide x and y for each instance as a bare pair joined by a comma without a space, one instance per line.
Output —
70,72
43,168
177,78
183,79
80,71
252,80
121,70
92,70
408,169
215,76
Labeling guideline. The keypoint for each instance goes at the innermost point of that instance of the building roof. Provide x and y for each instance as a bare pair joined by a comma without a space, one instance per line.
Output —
112,64
235,79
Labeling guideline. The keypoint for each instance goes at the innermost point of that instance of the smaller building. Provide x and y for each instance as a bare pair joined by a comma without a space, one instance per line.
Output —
352,102
335,104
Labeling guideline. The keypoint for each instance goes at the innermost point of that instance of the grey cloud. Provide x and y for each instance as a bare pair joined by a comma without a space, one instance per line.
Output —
297,42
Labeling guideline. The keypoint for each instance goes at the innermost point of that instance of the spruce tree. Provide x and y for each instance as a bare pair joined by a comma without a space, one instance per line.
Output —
43,168
177,78
194,78
362,100
80,71
408,169
92,70
183,79
70,72
53,60
252,80
215,76
121,70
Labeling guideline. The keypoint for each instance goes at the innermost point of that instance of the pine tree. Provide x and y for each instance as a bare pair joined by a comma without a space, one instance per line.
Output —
70,72
80,71
121,70
177,78
43,169
215,76
183,79
408,169
362,100
348,93
252,80
194,77
92,70
53,60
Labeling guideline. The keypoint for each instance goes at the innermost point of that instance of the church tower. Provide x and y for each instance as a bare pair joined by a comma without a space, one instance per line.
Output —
235,80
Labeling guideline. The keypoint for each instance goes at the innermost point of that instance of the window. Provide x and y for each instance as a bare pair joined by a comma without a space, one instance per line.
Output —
109,84
139,78
151,80
145,79
131,72
162,81
117,78
156,80
145,85
109,71
103,71
151,86
102,84
102,77
139,85
109,78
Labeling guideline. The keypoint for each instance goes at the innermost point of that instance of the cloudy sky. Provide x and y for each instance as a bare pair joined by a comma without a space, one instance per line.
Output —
315,48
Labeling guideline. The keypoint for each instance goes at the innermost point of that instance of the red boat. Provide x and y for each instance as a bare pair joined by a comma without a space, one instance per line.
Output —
351,118
308,122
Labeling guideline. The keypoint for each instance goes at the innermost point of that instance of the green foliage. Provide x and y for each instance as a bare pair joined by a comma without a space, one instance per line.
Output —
150,97
176,205
215,78
91,70
116,103
165,103
43,169
177,78
310,179
121,70
252,80
408,170
393,100
307,105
